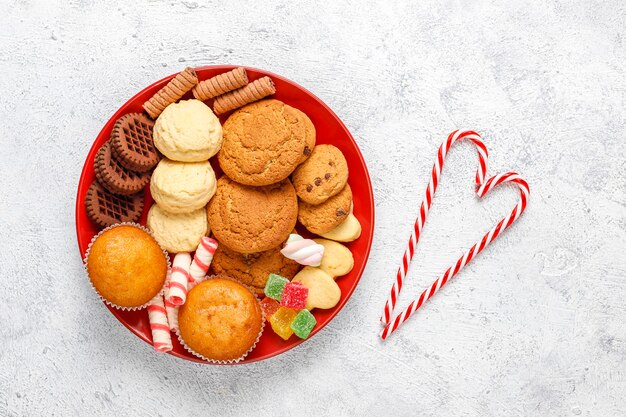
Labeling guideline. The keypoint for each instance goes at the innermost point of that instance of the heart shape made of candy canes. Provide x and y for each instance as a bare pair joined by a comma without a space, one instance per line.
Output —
483,187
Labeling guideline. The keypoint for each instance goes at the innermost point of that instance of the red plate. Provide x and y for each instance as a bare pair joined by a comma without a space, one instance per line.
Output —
329,130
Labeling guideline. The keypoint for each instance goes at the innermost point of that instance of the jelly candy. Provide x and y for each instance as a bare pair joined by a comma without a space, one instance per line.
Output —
274,286
269,306
281,322
294,296
303,323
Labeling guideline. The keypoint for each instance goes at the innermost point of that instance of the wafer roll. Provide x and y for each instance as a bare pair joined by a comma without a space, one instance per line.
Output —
254,91
221,84
171,93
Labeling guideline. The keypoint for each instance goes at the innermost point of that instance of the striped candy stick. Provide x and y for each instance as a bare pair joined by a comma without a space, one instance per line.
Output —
179,281
161,337
483,188
202,260
172,316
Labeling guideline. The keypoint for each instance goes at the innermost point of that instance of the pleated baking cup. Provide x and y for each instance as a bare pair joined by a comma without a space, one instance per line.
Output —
167,258
242,357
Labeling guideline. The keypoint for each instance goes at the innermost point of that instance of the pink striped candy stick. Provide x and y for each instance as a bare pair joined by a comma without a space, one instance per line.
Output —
172,315
483,188
161,337
202,260
177,288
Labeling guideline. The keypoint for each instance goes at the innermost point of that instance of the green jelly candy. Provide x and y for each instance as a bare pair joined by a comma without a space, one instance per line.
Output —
303,324
274,286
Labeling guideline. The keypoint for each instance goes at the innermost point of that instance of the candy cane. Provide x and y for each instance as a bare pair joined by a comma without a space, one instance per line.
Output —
483,188
161,337
202,260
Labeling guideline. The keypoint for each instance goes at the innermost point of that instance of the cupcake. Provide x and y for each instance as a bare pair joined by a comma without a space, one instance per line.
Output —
126,266
221,321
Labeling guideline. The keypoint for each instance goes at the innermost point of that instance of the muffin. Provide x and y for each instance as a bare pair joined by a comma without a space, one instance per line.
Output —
221,320
126,266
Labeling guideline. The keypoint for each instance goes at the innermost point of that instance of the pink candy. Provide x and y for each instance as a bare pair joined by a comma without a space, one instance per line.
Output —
303,251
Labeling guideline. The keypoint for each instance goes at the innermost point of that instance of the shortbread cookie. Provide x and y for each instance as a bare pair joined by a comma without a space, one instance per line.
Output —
105,208
263,143
347,231
310,135
254,91
324,217
171,93
220,84
337,259
188,131
177,232
254,268
132,144
252,219
323,290
114,177
321,176
181,187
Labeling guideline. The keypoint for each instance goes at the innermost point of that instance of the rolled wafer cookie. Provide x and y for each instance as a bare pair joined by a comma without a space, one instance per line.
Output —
254,91
177,291
171,93
202,260
161,337
172,315
220,84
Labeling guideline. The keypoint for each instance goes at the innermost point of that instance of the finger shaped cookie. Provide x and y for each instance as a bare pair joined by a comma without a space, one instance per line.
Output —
177,232
263,143
324,217
321,176
324,292
337,259
347,231
180,187
252,219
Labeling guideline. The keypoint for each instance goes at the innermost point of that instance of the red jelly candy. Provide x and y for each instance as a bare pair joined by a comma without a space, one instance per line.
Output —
294,296
269,306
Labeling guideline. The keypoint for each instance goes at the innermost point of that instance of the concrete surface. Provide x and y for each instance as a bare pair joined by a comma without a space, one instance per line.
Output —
534,327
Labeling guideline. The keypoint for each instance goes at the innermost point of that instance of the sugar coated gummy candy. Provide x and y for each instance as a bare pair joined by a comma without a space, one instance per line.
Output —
269,306
294,296
281,322
303,323
274,286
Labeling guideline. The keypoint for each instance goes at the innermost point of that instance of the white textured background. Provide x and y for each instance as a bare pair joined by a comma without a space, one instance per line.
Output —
535,327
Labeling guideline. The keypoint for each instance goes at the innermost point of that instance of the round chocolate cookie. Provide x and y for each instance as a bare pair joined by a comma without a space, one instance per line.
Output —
321,176
132,144
252,219
105,208
263,143
323,218
114,177
253,269
309,135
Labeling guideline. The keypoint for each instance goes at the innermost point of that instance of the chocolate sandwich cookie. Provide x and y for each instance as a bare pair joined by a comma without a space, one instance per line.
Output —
132,144
114,177
105,208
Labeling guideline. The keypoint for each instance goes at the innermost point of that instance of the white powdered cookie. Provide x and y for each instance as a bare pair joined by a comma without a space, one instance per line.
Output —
188,131
178,232
180,187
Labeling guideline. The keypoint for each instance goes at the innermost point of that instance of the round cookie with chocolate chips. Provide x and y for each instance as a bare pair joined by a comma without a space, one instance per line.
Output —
323,218
254,268
263,143
321,176
309,135
252,219
114,177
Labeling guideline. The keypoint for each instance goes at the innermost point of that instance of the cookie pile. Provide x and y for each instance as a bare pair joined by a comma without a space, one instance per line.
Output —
275,180
122,167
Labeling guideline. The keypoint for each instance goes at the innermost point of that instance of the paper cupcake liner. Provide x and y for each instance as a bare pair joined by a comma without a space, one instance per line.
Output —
230,361
167,258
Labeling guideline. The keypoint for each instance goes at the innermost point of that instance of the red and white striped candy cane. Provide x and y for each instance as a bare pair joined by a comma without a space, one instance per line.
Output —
179,280
202,260
483,188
